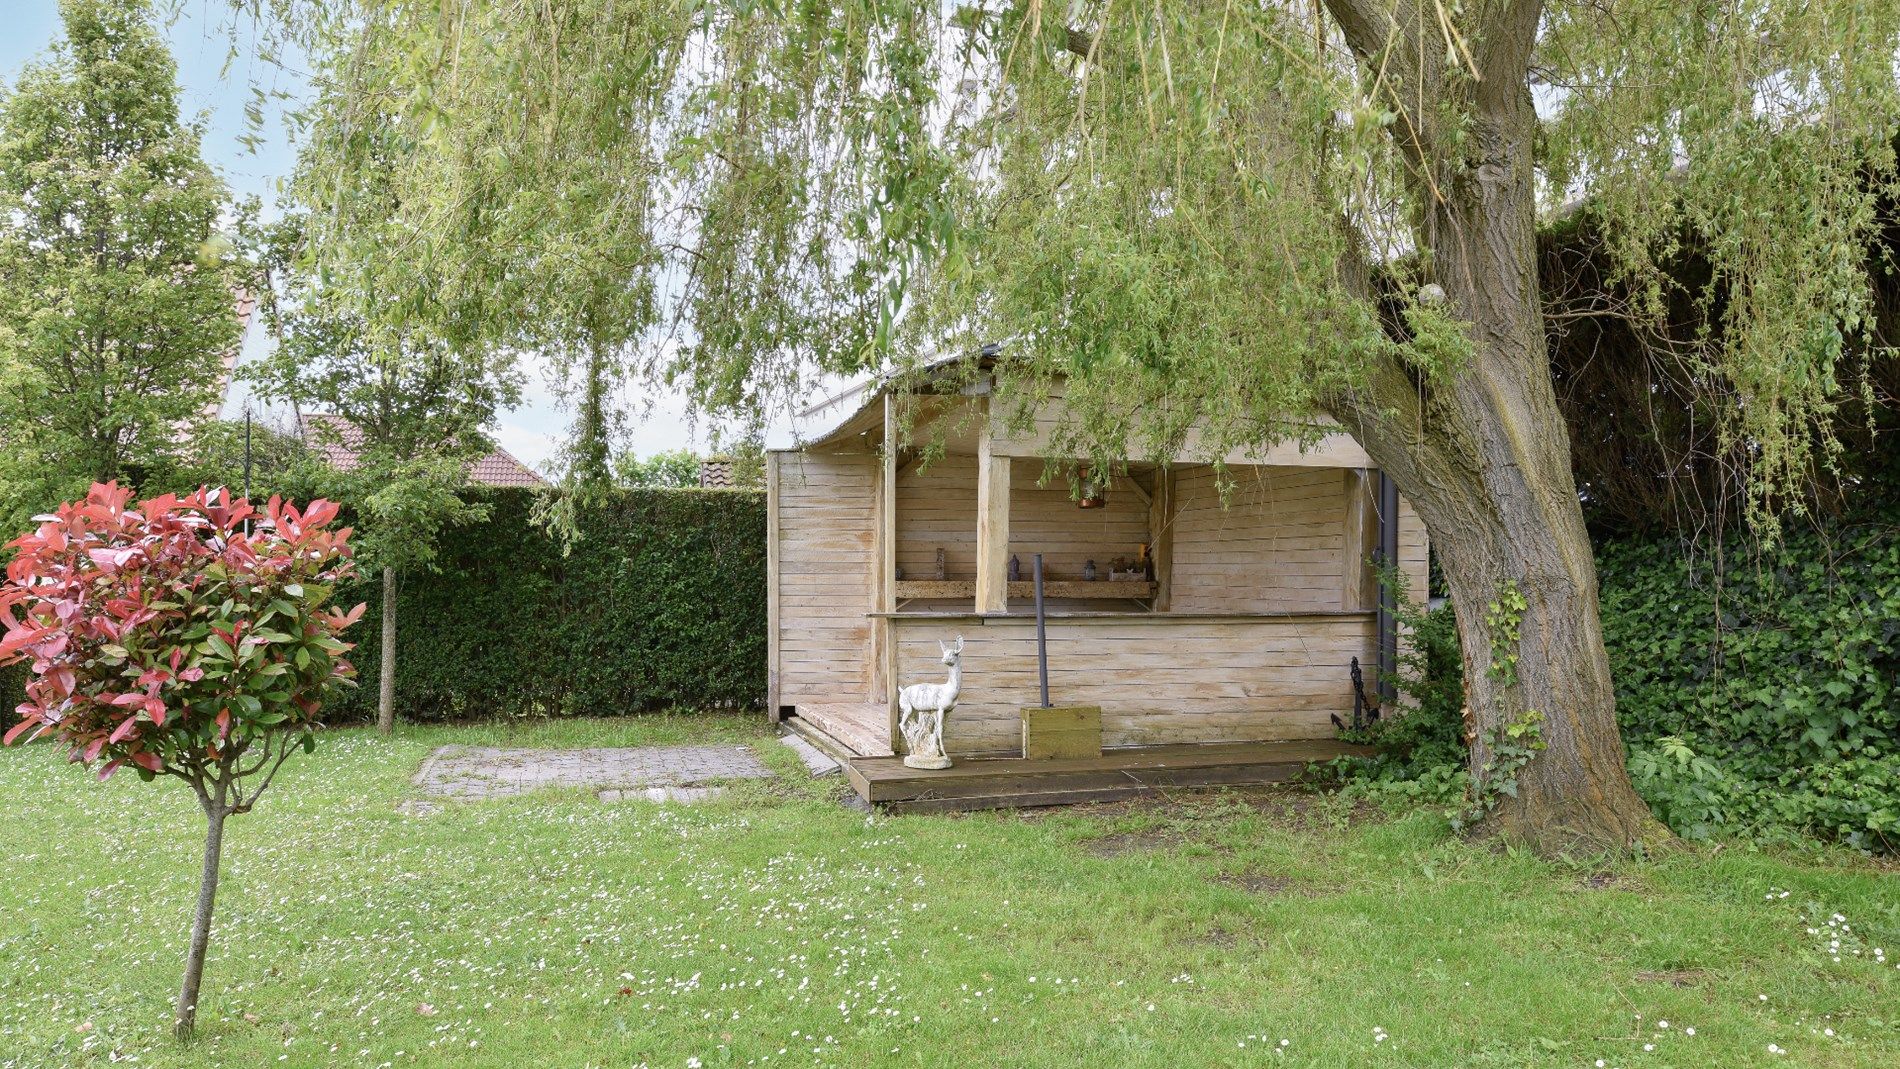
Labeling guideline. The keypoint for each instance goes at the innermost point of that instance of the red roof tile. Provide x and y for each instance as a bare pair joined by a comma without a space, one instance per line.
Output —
339,441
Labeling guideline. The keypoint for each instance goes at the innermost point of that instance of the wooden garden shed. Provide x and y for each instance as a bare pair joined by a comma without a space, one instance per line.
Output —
1229,665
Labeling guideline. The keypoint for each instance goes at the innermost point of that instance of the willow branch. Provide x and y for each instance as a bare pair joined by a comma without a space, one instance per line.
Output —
1085,45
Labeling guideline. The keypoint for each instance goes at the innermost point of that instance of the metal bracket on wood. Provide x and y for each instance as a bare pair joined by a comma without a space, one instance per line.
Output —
1365,712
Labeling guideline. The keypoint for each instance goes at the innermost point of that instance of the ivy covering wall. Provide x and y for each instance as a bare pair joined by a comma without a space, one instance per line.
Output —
660,603
1763,693
1757,687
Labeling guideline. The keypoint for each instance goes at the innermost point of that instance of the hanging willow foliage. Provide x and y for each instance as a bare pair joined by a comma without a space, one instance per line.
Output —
1212,225
1147,198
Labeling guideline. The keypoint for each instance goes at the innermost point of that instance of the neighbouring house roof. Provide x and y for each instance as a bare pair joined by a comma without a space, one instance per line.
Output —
716,472
338,442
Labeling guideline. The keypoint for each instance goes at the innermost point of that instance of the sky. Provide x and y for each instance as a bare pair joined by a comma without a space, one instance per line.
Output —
217,84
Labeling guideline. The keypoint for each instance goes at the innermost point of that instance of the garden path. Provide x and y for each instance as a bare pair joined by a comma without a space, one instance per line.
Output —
660,772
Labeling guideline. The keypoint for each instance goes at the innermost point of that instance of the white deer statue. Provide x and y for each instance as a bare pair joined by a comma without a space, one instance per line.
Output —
921,708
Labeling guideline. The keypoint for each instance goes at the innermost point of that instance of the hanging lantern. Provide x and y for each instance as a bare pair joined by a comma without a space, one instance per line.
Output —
1094,490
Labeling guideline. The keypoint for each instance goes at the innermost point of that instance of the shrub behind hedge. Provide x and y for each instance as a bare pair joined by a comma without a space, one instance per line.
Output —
660,603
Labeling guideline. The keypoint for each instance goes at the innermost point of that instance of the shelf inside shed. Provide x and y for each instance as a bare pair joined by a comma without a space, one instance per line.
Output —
1100,589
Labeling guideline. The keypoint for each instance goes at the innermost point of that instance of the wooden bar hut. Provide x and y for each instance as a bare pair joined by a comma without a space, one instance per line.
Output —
1221,654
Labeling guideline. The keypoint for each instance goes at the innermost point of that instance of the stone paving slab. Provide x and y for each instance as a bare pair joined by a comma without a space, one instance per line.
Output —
817,762
492,772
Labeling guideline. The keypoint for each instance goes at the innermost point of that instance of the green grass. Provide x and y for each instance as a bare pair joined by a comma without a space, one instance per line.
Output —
776,927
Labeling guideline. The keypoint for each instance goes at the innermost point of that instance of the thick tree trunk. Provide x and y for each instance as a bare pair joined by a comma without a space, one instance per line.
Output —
1484,455
185,1017
386,676
1575,794
1492,481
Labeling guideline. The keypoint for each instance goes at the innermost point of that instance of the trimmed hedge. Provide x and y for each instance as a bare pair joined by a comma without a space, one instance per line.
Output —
661,602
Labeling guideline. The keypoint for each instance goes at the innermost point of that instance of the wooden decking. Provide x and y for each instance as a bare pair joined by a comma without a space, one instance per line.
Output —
863,729
1004,782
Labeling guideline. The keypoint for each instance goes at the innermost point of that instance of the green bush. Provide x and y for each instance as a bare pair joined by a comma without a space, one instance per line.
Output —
659,603
1421,746
1757,698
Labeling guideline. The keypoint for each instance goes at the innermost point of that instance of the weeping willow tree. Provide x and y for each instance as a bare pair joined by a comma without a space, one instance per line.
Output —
1254,218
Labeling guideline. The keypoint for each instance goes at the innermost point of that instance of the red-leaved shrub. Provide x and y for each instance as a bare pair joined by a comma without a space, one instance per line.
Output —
190,638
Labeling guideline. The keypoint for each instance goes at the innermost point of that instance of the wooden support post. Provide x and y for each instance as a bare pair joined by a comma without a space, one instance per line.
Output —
884,569
992,528
1387,597
1359,580
1161,509
773,581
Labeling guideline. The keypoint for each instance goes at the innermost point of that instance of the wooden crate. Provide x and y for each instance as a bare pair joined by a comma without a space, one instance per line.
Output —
1062,731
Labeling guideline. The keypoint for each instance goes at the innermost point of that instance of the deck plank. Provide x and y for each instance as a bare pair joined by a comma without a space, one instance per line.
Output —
985,782
862,727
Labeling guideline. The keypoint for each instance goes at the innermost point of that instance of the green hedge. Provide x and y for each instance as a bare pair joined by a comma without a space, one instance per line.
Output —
1759,696
12,692
1767,698
661,602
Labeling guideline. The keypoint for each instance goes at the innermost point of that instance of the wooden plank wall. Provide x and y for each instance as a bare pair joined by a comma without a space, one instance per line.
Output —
1334,450
1414,550
1158,679
1046,520
1279,545
826,506
936,506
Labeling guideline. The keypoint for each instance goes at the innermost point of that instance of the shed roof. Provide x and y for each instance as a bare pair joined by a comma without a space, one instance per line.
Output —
852,407
857,411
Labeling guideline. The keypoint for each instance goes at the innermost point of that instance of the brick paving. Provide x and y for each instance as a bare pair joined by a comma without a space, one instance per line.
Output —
491,772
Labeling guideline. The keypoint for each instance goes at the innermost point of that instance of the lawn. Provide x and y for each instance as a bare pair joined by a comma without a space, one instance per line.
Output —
777,927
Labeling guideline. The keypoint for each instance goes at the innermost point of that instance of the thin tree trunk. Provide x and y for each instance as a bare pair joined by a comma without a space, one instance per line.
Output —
590,451
185,1017
386,691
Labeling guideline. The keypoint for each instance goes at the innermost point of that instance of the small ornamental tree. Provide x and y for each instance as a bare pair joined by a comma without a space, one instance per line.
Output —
188,637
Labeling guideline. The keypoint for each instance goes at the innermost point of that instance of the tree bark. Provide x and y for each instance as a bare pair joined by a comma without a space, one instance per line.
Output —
1484,453
185,1016
386,674
591,447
